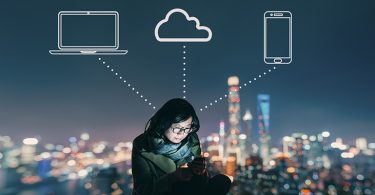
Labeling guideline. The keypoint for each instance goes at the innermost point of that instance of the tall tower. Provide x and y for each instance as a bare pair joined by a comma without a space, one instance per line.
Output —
232,148
247,118
263,108
222,139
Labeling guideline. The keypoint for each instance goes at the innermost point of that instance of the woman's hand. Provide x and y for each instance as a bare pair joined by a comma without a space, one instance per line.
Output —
198,166
182,173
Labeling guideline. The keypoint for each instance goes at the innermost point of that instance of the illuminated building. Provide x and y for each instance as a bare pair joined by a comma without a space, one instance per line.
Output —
232,145
361,143
247,118
231,166
222,139
263,108
28,150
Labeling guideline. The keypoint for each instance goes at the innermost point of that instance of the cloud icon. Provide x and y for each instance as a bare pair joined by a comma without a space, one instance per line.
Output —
188,18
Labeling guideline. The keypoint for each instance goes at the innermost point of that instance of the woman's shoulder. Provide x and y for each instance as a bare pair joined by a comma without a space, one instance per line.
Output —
193,138
140,142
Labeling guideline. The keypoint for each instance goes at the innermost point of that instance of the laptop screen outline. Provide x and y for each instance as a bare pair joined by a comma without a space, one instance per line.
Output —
88,13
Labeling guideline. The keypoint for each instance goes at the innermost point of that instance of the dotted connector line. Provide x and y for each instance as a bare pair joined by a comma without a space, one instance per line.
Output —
184,65
127,83
244,85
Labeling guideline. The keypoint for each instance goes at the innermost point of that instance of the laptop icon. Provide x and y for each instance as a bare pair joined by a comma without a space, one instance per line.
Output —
88,33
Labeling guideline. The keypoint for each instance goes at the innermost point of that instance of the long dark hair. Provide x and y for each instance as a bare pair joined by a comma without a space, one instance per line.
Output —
174,111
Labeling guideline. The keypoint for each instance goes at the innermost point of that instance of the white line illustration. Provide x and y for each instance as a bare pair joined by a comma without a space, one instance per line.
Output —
127,83
182,39
73,47
277,37
184,72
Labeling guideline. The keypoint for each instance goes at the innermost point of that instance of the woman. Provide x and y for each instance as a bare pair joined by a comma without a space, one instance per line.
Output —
166,158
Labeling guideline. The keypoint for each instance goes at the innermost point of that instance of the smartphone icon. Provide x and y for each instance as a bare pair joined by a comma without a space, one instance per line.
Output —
277,37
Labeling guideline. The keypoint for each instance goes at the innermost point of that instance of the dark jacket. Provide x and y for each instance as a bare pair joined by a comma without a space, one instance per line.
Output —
150,170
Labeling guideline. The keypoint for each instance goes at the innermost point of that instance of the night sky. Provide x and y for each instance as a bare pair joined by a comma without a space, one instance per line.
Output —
328,86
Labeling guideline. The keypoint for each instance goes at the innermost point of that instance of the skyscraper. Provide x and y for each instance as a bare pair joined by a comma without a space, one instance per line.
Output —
222,139
232,145
247,118
263,108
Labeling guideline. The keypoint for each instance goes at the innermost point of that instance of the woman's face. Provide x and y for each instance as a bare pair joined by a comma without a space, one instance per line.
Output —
180,135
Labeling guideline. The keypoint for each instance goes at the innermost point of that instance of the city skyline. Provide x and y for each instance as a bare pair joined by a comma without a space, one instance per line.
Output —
328,86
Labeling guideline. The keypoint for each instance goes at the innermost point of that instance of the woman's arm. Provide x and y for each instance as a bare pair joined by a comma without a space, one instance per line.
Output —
145,182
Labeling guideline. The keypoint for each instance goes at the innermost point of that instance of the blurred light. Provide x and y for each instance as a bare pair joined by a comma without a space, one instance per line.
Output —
231,159
82,173
274,150
272,163
45,155
106,165
1,155
347,168
307,147
222,124
304,136
59,147
242,136
49,146
233,80
89,169
30,141
287,139
320,137
360,177
312,138
99,161
89,154
6,138
67,150
217,139
30,179
347,155
355,151
326,134
368,152
305,192
291,170
117,149
371,145
130,171
88,185
72,176
55,163
97,150
206,154
209,138
85,136
72,139
13,162
114,186
308,182
247,116
71,163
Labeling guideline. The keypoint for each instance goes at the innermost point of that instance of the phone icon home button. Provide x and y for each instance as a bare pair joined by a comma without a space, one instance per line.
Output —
277,60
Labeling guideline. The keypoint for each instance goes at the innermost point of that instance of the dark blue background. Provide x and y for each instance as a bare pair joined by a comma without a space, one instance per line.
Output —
328,86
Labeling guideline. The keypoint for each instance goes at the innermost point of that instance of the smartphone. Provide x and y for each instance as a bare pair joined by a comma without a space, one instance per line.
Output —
277,37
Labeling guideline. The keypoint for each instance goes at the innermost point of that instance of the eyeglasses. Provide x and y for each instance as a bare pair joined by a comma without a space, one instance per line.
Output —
178,130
